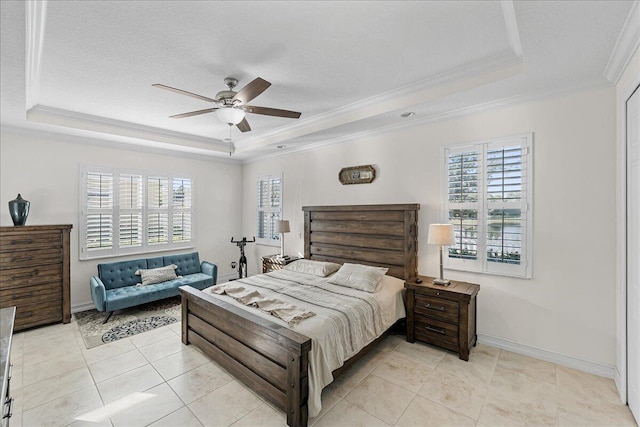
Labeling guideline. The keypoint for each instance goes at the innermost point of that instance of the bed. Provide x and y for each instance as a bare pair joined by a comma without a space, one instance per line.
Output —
270,358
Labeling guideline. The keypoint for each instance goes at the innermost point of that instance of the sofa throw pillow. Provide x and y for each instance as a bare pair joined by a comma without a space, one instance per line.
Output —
157,275
317,268
358,276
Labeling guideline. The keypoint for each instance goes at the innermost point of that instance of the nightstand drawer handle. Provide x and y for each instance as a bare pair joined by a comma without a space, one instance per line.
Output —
430,307
438,330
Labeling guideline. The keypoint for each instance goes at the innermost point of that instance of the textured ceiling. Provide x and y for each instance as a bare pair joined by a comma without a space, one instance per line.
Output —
349,67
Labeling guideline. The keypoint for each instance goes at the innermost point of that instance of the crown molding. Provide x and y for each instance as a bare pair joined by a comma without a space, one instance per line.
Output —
449,115
114,142
511,25
134,132
626,46
36,13
488,70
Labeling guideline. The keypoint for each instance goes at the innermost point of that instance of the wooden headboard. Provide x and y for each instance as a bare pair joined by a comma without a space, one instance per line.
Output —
381,235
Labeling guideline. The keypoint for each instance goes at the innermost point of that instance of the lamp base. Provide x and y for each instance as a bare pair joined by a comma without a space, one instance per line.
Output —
441,282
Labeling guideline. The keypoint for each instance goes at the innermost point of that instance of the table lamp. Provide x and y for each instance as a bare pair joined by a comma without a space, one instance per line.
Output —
282,226
442,235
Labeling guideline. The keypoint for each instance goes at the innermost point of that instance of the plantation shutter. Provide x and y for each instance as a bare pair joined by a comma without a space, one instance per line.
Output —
269,208
463,203
157,210
130,211
487,197
275,206
181,227
506,205
99,211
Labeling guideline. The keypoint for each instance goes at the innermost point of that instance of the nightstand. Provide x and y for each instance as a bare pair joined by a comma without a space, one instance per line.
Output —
444,316
274,262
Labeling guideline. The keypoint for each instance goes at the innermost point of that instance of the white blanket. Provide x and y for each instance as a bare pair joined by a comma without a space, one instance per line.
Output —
346,319
275,307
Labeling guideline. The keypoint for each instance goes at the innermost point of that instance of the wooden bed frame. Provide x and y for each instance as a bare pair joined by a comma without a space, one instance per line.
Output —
271,359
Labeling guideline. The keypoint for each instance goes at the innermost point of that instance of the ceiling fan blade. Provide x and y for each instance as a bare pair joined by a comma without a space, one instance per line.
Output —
244,125
183,92
193,113
265,111
253,89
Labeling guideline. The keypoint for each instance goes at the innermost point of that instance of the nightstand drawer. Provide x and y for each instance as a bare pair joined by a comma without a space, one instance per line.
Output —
437,307
436,332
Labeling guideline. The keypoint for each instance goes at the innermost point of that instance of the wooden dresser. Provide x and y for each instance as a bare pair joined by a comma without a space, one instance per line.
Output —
442,315
34,274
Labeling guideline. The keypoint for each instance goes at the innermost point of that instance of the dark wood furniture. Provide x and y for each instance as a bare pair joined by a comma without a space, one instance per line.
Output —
274,262
272,359
34,274
444,316
7,317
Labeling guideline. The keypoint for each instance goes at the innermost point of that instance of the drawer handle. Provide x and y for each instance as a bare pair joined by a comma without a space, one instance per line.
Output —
10,371
430,307
438,330
9,403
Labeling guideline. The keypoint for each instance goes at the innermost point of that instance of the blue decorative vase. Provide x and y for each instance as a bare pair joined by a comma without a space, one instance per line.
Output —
19,210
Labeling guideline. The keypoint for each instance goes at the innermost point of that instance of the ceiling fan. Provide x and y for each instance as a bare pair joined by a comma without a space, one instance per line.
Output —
232,106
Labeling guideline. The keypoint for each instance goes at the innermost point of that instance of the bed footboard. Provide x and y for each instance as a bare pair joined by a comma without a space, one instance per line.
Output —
270,359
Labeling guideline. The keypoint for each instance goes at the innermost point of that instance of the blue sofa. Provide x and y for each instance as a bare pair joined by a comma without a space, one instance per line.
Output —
114,288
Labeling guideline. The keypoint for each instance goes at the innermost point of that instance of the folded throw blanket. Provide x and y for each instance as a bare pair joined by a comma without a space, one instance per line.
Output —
280,309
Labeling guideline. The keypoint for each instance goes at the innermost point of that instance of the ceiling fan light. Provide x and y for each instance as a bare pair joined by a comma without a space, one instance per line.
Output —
230,115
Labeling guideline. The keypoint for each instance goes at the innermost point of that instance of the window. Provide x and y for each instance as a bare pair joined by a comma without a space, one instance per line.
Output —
128,212
488,199
269,189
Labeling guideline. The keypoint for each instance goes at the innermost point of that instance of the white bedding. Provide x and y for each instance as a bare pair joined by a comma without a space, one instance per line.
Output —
346,319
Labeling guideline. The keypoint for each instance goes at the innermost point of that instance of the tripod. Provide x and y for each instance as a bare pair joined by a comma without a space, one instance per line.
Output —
242,264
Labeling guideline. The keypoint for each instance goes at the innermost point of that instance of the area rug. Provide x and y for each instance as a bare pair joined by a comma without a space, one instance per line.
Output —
127,322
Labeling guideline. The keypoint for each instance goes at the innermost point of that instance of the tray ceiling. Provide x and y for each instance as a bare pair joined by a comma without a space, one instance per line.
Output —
349,67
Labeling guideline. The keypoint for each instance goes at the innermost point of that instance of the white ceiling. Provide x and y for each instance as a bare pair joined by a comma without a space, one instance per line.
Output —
86,68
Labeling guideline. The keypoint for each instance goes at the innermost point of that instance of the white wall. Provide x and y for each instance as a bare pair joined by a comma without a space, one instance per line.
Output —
569,306
44,168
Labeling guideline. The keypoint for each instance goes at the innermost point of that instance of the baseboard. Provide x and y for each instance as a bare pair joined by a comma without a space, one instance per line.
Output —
227,277
594,368
620,385
82,307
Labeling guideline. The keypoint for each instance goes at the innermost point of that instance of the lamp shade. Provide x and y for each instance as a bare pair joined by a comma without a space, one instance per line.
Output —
230,115
441,234
282,226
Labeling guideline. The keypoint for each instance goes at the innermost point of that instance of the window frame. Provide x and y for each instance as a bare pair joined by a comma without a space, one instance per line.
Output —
483,205
115,250
275,239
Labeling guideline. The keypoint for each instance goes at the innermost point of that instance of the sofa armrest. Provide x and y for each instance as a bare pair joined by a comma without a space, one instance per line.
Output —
98,293
210,269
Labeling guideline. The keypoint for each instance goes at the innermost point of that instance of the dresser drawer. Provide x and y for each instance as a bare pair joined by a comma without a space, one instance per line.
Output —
17,259
437,307
26,276
20,241
30,315
31,294
436,332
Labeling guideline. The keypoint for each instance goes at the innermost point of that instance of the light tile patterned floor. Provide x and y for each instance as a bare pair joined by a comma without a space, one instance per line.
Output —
152,379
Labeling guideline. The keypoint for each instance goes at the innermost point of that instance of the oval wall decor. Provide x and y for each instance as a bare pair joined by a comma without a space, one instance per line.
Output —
357,175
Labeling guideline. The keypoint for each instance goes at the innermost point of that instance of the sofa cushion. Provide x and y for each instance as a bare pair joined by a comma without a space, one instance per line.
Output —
156,262
118,274
187,263
157,275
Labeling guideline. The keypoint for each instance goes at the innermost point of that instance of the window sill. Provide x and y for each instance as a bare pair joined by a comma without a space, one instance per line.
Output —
122,255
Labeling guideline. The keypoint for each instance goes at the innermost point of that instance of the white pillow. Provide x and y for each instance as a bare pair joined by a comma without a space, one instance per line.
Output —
157,275
358,276
317,268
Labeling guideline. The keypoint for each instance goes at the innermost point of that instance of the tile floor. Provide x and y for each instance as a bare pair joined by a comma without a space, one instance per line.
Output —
152,379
